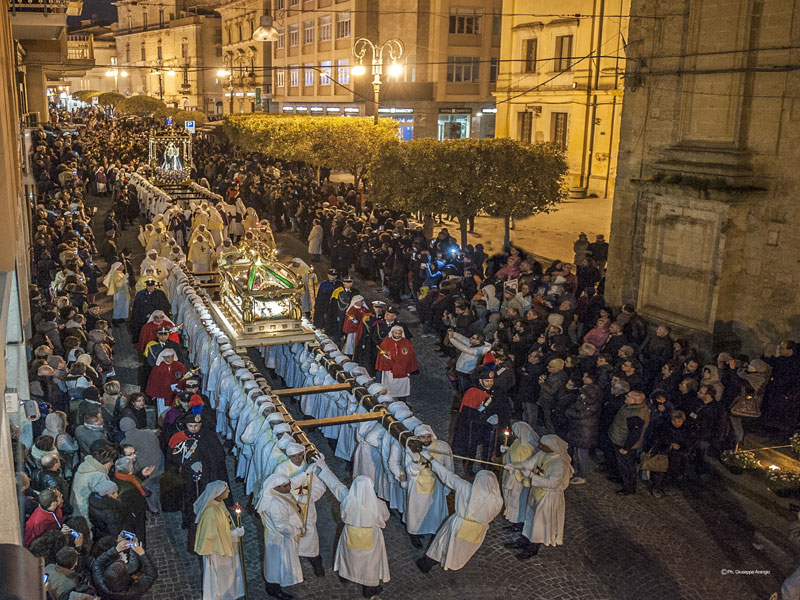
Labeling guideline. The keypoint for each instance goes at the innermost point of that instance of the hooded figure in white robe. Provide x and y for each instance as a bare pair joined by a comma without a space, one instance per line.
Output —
549,470
426,494
361,551
476,505
306,490
283,526
515,485
216,541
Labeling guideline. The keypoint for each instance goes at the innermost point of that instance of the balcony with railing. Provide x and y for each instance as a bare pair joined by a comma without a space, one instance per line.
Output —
80,47
41,19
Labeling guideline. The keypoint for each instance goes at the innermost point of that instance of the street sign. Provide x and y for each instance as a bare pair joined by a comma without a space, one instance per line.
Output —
258,96
189,126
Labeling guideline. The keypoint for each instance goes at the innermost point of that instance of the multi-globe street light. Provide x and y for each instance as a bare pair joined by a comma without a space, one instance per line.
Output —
393,47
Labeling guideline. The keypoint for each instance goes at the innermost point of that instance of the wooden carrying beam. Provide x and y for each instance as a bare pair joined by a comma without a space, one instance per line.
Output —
314,389
395,428
370,416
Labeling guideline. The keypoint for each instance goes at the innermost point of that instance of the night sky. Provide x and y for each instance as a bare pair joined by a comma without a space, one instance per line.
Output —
101,10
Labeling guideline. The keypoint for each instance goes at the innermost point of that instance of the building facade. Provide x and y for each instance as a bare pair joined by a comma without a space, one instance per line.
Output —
16,188
172,51
450,60
97,42
560,81
39,31
704,226
247,60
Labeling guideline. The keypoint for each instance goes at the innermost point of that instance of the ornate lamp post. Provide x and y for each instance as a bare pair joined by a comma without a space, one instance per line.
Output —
229,74
394,48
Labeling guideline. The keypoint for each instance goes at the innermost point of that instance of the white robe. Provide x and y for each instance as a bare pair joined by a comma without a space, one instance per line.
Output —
367,567
222,577
450,547
544,515
425,512
309,543
396,387
281,561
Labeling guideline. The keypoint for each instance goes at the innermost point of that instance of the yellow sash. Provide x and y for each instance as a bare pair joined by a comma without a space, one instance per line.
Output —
539,469
359,538
470,531
518,453
426,481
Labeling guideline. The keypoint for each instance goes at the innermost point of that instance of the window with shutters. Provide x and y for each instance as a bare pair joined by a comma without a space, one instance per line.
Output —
308,74
563,52
308,32
342,25
494,69
530,55
324,29
465,20
326,69
525,126
558,129
280,78
281,43
294,35
343,70
294,76
462,69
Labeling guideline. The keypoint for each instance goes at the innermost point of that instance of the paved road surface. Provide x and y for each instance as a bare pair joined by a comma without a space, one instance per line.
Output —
616,548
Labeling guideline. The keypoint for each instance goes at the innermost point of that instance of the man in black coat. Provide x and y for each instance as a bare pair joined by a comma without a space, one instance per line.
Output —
145,302
337,307
323,300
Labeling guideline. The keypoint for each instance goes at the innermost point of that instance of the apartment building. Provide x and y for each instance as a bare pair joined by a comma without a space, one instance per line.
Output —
247,60
560,81
450,62
171,50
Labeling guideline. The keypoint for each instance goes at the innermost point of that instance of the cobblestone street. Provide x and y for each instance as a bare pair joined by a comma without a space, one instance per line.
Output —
615,548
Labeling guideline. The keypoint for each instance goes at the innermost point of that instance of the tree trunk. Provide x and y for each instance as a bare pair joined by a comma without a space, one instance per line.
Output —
463,223
427,226
506,231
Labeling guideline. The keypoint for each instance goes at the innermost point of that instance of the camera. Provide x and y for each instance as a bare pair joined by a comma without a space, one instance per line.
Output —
32,410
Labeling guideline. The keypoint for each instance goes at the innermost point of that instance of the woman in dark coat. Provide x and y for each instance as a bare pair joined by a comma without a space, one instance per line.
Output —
584,422
105,510
673,439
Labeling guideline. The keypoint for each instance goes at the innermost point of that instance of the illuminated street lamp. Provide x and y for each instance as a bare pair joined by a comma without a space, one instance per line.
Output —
229,74
116,75
394,47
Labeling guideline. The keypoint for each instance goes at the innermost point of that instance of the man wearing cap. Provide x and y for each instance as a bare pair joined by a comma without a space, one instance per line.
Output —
306,490
145,302
156,320
199,458
323,300
396,361
337,307
153,348
367,349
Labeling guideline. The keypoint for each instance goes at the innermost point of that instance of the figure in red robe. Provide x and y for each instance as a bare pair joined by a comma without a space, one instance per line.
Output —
148,332
353,326
166,379
396,361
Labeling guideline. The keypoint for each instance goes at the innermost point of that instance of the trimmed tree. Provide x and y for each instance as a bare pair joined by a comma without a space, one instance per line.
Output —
110,99
521,180
181,116
140,106
85,95
337,143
